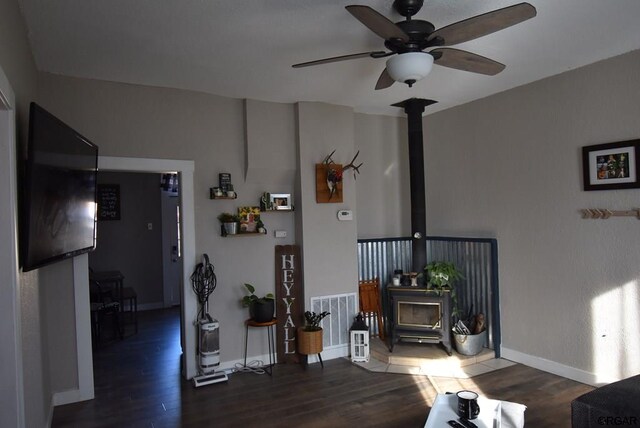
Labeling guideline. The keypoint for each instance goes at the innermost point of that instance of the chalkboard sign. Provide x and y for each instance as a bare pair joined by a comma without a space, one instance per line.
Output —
108,202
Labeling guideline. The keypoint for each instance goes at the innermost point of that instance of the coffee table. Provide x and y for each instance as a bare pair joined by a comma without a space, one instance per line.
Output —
493,413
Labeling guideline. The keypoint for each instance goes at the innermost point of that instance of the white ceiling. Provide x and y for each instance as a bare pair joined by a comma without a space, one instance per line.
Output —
245,48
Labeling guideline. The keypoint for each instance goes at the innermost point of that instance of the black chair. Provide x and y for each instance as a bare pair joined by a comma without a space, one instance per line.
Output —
103,307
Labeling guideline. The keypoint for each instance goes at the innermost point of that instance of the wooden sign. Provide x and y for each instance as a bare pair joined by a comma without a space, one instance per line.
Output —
326,191
108,201
289,301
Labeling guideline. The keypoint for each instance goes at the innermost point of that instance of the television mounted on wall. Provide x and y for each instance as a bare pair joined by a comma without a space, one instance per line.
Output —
58,213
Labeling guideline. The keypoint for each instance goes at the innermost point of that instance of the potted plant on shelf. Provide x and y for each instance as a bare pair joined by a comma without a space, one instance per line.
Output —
229,223
260,308
310,336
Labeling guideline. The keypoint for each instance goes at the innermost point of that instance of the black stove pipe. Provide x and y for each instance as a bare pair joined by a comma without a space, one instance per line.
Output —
414,107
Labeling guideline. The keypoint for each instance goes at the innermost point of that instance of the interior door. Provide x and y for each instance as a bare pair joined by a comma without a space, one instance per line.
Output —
171,248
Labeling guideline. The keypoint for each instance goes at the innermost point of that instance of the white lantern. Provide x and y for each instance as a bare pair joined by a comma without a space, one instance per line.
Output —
359,340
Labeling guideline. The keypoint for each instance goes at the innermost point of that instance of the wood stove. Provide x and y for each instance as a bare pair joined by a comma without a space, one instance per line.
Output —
419,314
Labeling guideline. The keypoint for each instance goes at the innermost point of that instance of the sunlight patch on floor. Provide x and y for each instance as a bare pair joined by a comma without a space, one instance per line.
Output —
430,360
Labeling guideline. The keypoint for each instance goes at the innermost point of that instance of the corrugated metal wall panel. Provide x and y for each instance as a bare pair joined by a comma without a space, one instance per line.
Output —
476,258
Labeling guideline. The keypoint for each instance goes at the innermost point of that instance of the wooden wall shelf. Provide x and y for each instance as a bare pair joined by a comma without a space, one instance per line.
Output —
212,195
224,197
243,234
277,211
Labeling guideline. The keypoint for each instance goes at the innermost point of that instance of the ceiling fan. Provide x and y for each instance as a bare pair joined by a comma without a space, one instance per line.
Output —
407,40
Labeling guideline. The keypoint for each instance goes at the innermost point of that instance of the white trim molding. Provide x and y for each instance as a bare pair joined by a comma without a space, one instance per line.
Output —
552,367
12,407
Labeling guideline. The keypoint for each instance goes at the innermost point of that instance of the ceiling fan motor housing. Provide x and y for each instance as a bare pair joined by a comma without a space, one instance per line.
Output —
418,32
408,8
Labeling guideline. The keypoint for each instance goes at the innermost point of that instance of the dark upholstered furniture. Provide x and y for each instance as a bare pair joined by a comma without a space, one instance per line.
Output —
616,404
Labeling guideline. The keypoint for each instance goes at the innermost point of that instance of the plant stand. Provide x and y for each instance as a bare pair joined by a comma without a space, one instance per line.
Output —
270,338
309,343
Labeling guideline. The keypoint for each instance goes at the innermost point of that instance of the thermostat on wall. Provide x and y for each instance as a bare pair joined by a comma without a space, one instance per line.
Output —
345,215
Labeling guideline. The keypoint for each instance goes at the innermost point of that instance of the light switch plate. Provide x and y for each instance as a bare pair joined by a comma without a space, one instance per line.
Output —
280,233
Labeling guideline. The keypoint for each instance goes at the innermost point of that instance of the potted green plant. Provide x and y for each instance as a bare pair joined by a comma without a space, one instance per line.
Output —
229,223
468,338
310,336
442,276
260,308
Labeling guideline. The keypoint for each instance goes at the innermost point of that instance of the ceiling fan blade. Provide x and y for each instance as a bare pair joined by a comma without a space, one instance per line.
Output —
466,61
385,80
374,54
379,24
484,24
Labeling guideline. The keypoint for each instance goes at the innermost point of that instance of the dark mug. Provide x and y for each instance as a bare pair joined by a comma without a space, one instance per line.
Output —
468,407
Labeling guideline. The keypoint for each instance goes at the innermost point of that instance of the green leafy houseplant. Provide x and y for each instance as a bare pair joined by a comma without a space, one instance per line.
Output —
228,218
312,320
252,298
260,308
443,276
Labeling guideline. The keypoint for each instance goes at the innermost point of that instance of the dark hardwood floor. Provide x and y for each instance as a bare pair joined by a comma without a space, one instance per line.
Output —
138,384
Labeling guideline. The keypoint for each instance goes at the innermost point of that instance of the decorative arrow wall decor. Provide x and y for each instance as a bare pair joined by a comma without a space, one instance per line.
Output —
600,213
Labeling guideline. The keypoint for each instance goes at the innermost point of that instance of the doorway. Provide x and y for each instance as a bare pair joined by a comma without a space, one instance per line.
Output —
137,236
188,309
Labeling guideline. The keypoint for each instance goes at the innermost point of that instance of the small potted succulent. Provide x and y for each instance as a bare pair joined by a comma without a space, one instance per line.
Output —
260,308
310,336
229,223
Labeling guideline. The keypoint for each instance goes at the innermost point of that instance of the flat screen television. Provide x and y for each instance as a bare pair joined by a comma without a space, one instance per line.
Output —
58,216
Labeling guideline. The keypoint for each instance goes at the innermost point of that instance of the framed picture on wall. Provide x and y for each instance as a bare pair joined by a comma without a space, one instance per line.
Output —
108,196
611,166
281,201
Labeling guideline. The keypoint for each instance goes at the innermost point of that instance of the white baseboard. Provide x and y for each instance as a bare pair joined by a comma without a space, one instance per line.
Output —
70,396
553,367
327,354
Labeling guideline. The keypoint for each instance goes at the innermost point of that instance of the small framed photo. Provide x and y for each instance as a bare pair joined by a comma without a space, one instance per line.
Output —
281,201
611,166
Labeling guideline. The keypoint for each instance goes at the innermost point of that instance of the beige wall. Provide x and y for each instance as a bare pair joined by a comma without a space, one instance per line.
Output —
146,122
383,197
328,245
510,166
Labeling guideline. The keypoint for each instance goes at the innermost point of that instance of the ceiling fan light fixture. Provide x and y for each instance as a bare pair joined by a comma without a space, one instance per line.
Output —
409,67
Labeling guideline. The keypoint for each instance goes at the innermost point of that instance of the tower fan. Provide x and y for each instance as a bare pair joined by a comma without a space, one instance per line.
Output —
203,282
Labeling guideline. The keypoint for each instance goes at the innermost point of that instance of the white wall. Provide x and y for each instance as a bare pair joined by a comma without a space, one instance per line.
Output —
510,166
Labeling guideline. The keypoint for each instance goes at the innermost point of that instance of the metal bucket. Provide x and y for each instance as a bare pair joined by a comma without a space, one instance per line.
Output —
231,228
469,344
